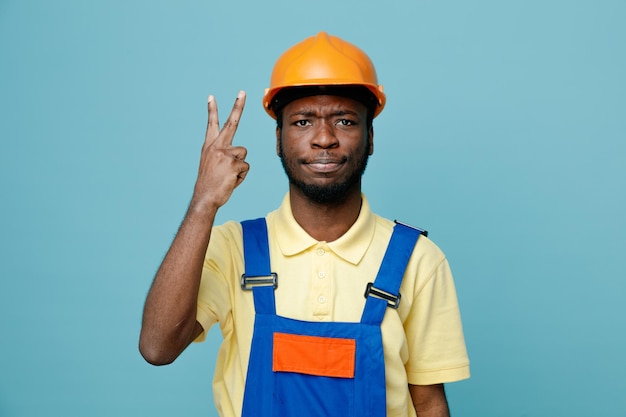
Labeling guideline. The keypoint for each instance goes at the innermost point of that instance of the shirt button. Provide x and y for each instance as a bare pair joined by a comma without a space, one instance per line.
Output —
321,274
321,299
321,252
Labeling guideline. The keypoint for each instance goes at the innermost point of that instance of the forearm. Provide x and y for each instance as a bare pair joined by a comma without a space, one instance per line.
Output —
429,400
169,319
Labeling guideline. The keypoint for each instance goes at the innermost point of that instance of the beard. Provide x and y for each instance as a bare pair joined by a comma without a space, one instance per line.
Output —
332,193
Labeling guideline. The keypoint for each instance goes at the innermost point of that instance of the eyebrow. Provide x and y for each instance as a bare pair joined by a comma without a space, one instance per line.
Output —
310,113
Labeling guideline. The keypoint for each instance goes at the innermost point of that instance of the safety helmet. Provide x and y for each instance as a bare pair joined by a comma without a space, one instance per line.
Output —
323,60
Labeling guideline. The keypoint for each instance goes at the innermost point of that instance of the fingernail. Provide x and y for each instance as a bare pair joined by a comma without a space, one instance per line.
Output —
240,94
210,99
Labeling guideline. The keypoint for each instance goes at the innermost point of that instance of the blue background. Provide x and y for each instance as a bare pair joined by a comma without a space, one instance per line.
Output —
504,136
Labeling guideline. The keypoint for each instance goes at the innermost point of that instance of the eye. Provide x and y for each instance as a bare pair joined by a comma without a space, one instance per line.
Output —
302,123
345,122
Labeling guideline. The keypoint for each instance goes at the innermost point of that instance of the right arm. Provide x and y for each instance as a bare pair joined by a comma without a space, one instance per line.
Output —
169,318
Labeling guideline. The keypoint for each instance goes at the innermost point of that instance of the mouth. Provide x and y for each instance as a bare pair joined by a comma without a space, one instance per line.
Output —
325,165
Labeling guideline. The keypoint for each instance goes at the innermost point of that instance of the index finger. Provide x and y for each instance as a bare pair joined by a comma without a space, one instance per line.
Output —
227,133
213,124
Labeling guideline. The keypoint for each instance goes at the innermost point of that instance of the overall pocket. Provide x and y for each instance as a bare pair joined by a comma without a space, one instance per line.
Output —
314,376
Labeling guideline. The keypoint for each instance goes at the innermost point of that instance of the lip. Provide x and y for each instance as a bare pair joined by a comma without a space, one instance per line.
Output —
324,165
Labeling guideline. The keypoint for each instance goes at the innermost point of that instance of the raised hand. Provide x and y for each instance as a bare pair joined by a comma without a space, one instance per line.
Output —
222,165
169,321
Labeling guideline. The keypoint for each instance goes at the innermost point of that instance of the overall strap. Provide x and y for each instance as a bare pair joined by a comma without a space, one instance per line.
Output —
385,290
258,275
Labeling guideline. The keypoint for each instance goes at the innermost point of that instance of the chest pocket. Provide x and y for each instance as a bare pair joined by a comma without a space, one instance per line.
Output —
314,355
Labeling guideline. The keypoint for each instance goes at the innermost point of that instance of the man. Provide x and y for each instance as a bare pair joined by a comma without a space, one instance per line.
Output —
288,290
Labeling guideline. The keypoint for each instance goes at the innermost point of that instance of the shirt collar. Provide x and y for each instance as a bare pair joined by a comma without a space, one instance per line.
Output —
293,239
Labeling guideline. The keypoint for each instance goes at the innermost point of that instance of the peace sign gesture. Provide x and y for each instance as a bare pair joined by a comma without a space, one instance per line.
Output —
222,165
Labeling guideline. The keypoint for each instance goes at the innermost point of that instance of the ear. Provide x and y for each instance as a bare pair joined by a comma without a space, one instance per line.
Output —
370,140
278,132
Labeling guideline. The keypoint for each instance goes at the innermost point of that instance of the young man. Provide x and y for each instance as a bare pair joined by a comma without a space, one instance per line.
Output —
325,308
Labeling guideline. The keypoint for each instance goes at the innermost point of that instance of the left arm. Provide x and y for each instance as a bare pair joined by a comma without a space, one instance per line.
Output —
429,400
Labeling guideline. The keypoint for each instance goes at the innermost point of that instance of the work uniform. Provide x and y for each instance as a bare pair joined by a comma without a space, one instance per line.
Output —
324,282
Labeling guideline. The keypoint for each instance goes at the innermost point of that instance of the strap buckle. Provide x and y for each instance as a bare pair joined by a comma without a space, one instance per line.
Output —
422,231
250,281
393,301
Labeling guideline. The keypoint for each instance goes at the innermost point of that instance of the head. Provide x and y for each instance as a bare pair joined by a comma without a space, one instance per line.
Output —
315,83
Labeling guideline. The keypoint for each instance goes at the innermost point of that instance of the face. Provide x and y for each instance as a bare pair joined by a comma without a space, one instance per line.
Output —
324,145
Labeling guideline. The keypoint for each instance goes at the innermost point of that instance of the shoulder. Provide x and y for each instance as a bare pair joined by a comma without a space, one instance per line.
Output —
226,242
230,229
427,263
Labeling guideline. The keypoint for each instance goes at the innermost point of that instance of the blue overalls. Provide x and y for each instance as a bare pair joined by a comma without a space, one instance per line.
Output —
307,369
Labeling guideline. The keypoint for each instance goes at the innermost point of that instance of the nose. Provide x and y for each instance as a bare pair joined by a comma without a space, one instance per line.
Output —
324,137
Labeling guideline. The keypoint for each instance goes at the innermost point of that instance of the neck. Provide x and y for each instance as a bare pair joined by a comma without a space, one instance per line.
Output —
325,222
